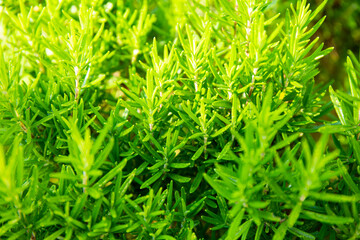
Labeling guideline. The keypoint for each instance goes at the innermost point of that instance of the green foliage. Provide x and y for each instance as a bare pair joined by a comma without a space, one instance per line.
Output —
341,30
173,120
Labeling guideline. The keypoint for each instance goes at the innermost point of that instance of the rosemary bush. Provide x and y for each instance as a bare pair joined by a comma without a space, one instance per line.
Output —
173,120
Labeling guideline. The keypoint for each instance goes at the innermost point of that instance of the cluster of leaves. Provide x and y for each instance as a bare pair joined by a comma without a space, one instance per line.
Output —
341,30
118,123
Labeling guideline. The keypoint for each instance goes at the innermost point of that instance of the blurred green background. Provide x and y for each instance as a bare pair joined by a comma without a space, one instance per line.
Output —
341,30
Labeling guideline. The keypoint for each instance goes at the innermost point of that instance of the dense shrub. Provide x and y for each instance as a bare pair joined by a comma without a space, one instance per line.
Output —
173,120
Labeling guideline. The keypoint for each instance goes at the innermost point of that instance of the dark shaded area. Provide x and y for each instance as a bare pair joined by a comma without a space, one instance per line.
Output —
341,30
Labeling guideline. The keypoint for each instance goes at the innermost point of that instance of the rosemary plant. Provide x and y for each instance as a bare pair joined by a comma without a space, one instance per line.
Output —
196,119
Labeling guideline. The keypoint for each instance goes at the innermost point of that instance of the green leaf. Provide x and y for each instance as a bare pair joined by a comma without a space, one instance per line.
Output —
224,151
4,79
197,180
219,187
56,234
327,218
347,178
179,178
198,153
331,197
190,114
221,131
166,237
301,234
179,165
151,180
111,174
337,106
